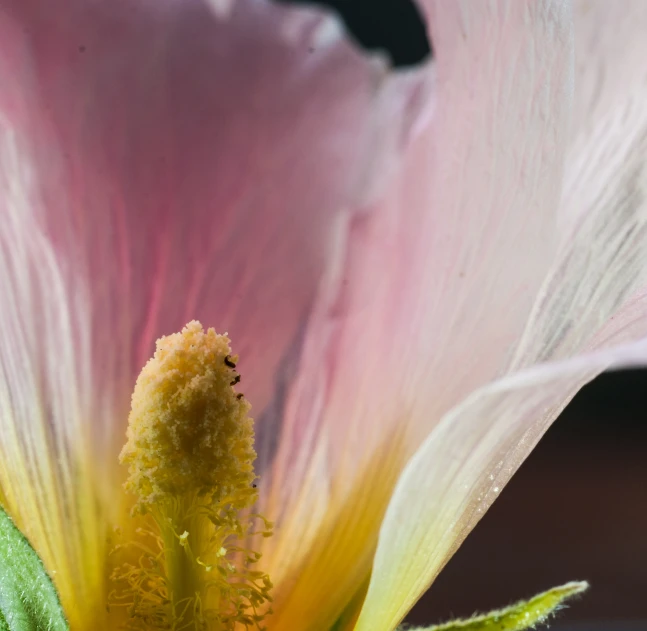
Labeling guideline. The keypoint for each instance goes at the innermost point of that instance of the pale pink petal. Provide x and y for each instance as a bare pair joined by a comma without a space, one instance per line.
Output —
427,293
47,481
191,162
164,161
602,258
601,264
460,470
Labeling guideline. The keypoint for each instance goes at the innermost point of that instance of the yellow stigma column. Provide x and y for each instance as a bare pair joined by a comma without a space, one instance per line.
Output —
190,454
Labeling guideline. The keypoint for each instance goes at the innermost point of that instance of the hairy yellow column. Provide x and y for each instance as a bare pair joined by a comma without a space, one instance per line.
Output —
190,456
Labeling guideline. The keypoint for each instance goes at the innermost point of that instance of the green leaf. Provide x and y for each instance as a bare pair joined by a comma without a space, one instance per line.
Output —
28,598
522,615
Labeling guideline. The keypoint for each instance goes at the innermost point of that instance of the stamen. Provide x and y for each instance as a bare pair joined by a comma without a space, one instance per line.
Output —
190,454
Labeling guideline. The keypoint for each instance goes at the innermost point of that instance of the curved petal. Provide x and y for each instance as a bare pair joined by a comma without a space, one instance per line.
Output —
189,174
426,295
460,469
182,160
47,481
603,213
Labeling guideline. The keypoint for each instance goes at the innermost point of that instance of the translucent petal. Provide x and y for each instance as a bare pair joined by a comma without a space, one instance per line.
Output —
164,161
602,259
459,471
47,481
189,173
428,289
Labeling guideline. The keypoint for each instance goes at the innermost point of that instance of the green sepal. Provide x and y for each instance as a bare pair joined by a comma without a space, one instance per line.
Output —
28,598
522,615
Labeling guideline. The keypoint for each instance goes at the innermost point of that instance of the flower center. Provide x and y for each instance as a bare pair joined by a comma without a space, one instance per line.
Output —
190,454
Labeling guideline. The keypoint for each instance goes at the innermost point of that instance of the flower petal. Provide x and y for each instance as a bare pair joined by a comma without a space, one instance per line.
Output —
428,291
47,482
167,161
602,259
460,469
190,174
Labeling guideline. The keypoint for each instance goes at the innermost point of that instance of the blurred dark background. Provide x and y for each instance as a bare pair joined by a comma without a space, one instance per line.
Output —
576,509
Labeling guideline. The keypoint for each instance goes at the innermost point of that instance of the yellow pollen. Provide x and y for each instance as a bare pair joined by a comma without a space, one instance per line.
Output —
190,454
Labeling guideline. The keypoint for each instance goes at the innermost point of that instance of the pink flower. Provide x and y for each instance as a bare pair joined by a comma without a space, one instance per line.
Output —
418,267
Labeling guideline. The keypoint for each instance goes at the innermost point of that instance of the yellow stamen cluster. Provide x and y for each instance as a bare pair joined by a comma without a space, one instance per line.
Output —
190,455
188,430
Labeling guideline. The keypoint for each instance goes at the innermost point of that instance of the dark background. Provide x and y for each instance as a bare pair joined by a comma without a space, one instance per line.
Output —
575,510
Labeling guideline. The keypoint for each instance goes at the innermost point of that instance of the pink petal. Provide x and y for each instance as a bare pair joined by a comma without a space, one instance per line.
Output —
192,164
601,264
428,293
163,161
47,481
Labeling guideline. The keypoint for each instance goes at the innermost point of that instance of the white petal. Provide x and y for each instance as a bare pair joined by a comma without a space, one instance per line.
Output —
459,471
602,259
